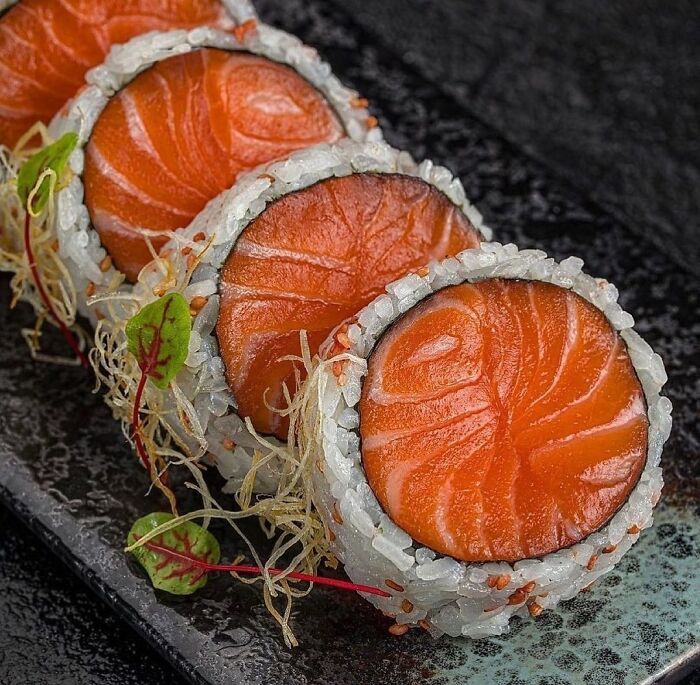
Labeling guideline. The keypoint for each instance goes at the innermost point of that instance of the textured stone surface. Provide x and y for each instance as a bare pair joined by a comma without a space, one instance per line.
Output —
608,93
69,473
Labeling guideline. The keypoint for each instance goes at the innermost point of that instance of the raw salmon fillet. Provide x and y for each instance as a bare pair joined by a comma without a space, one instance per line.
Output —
182,132
46,46
502,420
313,259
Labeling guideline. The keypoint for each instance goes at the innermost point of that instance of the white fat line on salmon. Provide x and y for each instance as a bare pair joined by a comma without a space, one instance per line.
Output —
593,388
400,472
138,133
107,170
378,395
624,417
381,439
441,247
190,131
433,349
250,249
383,398
21,76
254,342
6,27
14,113
572,331
169,109
539,344
508,305
244,293
602,474
115,224
447,492
52,37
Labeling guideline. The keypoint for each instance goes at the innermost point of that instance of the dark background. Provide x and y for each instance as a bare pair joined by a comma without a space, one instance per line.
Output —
606,94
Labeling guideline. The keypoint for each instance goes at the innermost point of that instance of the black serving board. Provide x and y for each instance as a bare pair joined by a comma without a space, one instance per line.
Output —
66,470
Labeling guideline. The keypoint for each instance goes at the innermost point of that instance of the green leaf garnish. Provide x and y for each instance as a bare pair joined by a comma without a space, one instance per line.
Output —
54,157
159,337
177,560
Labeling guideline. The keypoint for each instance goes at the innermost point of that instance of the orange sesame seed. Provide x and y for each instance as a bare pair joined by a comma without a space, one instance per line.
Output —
424,624
186,250
336,514
398,629
331,536
191,261
90,289
359,102
393,585
242,30
55,245
198,237
592,562
535,609
106,264
197,303
406,606
423,271
529,587
634,530
228,444
337,368
372,122
502,581
492,580
609,549
342,379
343,339
518,597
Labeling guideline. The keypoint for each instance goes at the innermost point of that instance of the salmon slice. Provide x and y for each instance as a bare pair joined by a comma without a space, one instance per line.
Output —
46,46
181,133
502,420
313,259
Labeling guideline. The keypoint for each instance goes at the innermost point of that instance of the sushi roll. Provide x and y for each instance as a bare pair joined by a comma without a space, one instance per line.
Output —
172,119
298,245
46,47
489,443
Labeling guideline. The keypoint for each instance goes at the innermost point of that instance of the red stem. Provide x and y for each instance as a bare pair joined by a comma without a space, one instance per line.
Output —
44,296
236,568
135,422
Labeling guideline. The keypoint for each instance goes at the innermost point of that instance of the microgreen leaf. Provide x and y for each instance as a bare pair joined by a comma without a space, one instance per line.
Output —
54,157
177,560
159,336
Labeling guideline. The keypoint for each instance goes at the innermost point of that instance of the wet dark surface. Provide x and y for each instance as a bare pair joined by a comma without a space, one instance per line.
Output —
68,450
607,93
55,631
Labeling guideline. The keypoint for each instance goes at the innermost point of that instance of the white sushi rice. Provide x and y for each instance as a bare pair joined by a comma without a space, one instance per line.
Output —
79,244
453,596
202,380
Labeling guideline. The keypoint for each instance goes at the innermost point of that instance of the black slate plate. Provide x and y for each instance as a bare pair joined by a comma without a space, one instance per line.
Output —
65,468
